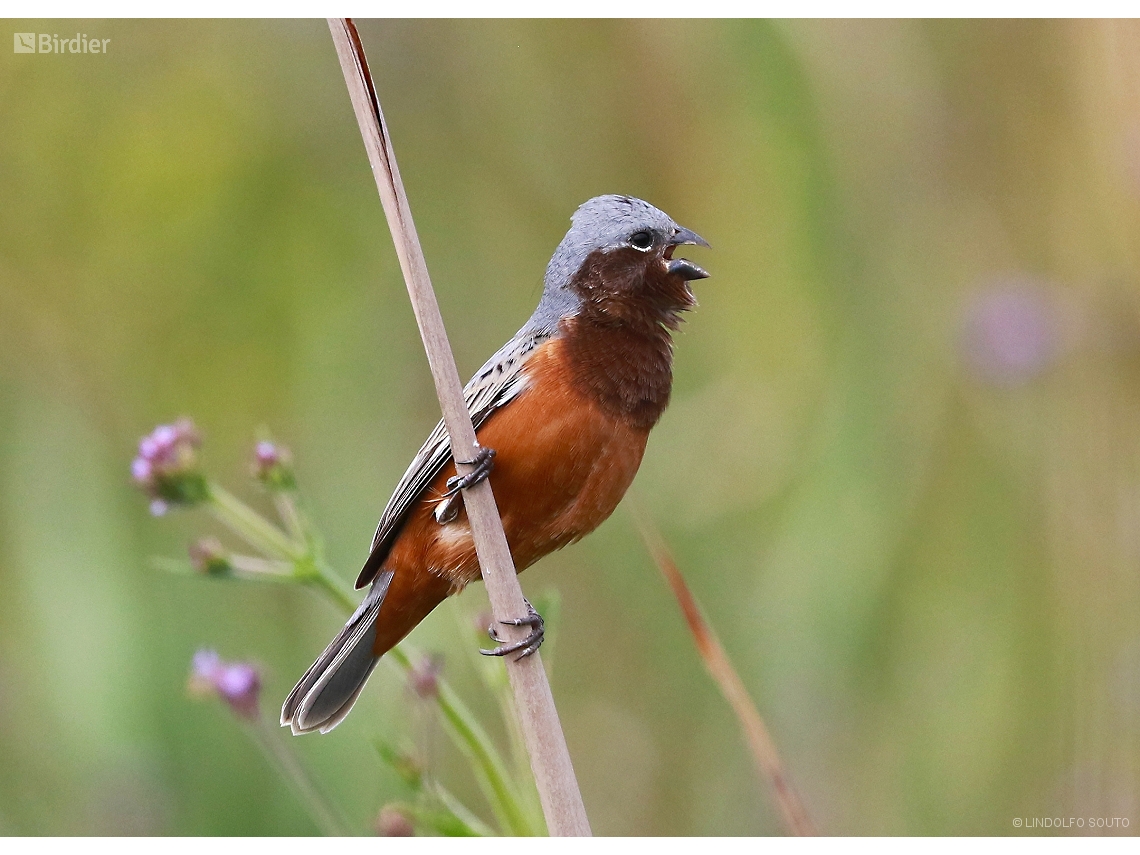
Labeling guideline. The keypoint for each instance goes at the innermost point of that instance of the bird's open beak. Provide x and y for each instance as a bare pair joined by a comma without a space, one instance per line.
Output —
682,266
685,236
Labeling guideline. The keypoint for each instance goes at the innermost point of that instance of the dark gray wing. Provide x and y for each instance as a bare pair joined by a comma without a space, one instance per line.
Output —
497,382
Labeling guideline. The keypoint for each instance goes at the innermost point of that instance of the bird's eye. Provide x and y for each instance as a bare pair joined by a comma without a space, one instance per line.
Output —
641,240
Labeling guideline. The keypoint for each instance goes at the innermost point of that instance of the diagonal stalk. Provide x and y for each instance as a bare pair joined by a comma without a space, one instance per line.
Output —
720,668
550,759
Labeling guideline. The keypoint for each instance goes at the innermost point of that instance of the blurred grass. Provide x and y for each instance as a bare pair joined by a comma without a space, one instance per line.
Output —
928,579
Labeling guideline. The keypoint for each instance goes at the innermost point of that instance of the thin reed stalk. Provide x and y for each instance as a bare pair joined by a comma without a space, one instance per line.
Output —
716,661
550,760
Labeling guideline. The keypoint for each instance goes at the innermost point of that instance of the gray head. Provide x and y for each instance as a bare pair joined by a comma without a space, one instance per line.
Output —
609,223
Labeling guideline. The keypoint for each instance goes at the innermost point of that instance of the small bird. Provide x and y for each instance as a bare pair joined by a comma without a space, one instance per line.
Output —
562,413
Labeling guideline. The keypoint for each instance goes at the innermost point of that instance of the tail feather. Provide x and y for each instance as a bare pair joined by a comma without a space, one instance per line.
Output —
327,691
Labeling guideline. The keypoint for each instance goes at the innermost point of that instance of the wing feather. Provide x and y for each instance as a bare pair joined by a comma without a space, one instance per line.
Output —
499,380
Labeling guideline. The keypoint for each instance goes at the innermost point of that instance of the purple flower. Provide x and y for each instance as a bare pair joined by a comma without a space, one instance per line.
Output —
267,453
148,449
167,467
141,470
239,685
1010,334
236,683
272,466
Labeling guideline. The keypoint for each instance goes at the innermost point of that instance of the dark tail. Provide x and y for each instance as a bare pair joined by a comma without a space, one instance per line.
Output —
326,693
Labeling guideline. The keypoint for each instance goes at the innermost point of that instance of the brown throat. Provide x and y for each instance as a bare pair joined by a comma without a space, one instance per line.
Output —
618,345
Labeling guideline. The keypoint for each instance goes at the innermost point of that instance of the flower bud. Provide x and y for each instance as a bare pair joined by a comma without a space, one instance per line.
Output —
209,557
424,676
392,822
273,466
166,468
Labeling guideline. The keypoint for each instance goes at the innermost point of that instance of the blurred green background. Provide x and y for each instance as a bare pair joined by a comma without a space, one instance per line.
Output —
901,469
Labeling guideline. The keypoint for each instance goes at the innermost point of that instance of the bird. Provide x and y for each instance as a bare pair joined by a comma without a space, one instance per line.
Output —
562,413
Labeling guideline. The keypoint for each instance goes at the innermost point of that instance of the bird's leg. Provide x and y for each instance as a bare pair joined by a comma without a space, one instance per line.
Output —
484,462
529,644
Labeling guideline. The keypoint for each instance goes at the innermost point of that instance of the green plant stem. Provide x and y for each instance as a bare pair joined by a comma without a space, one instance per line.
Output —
286,503
251,526
299,559
316,574
243,570
322,813
464,728
474,826
495,681
473,741
251,567
442,821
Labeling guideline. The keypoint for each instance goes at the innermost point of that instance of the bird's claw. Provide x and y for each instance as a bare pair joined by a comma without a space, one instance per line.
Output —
484,462
526,646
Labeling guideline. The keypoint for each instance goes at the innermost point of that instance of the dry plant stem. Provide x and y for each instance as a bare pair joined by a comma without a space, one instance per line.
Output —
549,757
720,668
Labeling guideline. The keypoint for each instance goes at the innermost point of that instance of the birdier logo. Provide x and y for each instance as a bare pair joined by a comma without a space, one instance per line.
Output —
52,43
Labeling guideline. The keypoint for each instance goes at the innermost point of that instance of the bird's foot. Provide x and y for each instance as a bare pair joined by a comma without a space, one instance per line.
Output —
484,462
526,646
